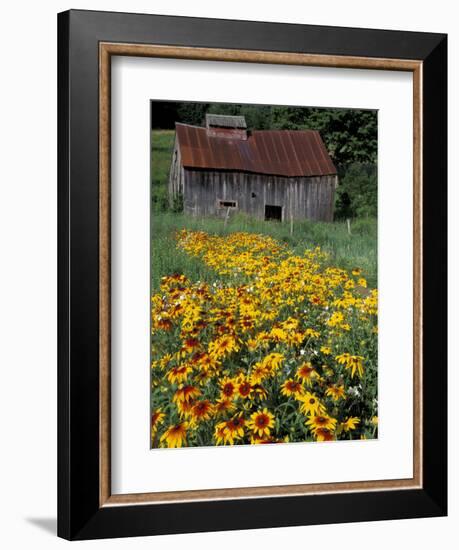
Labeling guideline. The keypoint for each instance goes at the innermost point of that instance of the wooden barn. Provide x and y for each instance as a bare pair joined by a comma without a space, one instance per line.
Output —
269,174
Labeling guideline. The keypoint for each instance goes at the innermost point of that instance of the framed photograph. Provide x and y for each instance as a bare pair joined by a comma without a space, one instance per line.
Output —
252,275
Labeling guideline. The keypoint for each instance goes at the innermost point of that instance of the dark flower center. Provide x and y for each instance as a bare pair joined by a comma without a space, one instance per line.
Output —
192,342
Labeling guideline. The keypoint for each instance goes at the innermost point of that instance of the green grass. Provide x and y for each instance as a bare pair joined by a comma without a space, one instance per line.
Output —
347,251
162,144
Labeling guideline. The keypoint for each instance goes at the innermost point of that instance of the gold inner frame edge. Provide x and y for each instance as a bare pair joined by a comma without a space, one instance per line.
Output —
106,51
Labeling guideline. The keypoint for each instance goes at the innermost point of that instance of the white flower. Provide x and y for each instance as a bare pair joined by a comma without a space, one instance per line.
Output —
353,390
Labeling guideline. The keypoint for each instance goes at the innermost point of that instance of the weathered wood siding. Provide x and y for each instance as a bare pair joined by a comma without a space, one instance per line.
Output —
300,198
176,174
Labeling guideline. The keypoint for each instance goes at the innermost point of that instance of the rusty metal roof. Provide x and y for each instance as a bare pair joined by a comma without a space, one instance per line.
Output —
290,153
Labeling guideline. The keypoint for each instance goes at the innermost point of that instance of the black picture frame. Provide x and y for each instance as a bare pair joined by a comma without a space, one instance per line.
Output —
80,515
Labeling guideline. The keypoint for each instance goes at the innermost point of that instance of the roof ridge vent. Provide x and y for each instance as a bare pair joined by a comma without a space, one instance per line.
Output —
225,121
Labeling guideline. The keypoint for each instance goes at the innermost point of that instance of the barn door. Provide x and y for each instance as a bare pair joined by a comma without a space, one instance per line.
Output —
273,212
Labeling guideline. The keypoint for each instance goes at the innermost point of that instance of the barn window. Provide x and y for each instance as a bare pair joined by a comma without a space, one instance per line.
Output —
227,204
273,212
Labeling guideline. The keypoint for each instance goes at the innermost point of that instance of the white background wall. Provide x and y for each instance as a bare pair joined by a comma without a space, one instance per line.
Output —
28,269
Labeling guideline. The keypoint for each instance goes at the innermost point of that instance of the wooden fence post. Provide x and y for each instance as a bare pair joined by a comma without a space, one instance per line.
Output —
227,216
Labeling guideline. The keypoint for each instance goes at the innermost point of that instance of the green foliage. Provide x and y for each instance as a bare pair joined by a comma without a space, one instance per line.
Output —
177,203
192,113
162,144
357,193
350,135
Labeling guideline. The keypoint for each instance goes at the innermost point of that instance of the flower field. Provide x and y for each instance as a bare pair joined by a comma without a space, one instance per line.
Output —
280,347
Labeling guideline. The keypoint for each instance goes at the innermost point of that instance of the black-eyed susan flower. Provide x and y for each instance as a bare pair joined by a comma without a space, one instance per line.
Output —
306,373
233,429
261,422
336,320
290,324
202,410
311,333
259,373
258,392
336,392
228,387
278,334
349,284
186,394
190,345
224,406
220,433
224,345
323,434
273,361
157,418
184,408
164,324
310,404
244,388
321,421
354,363
350,423
175,435
165,360
255,439
291,388
179,374
204,361
247,323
